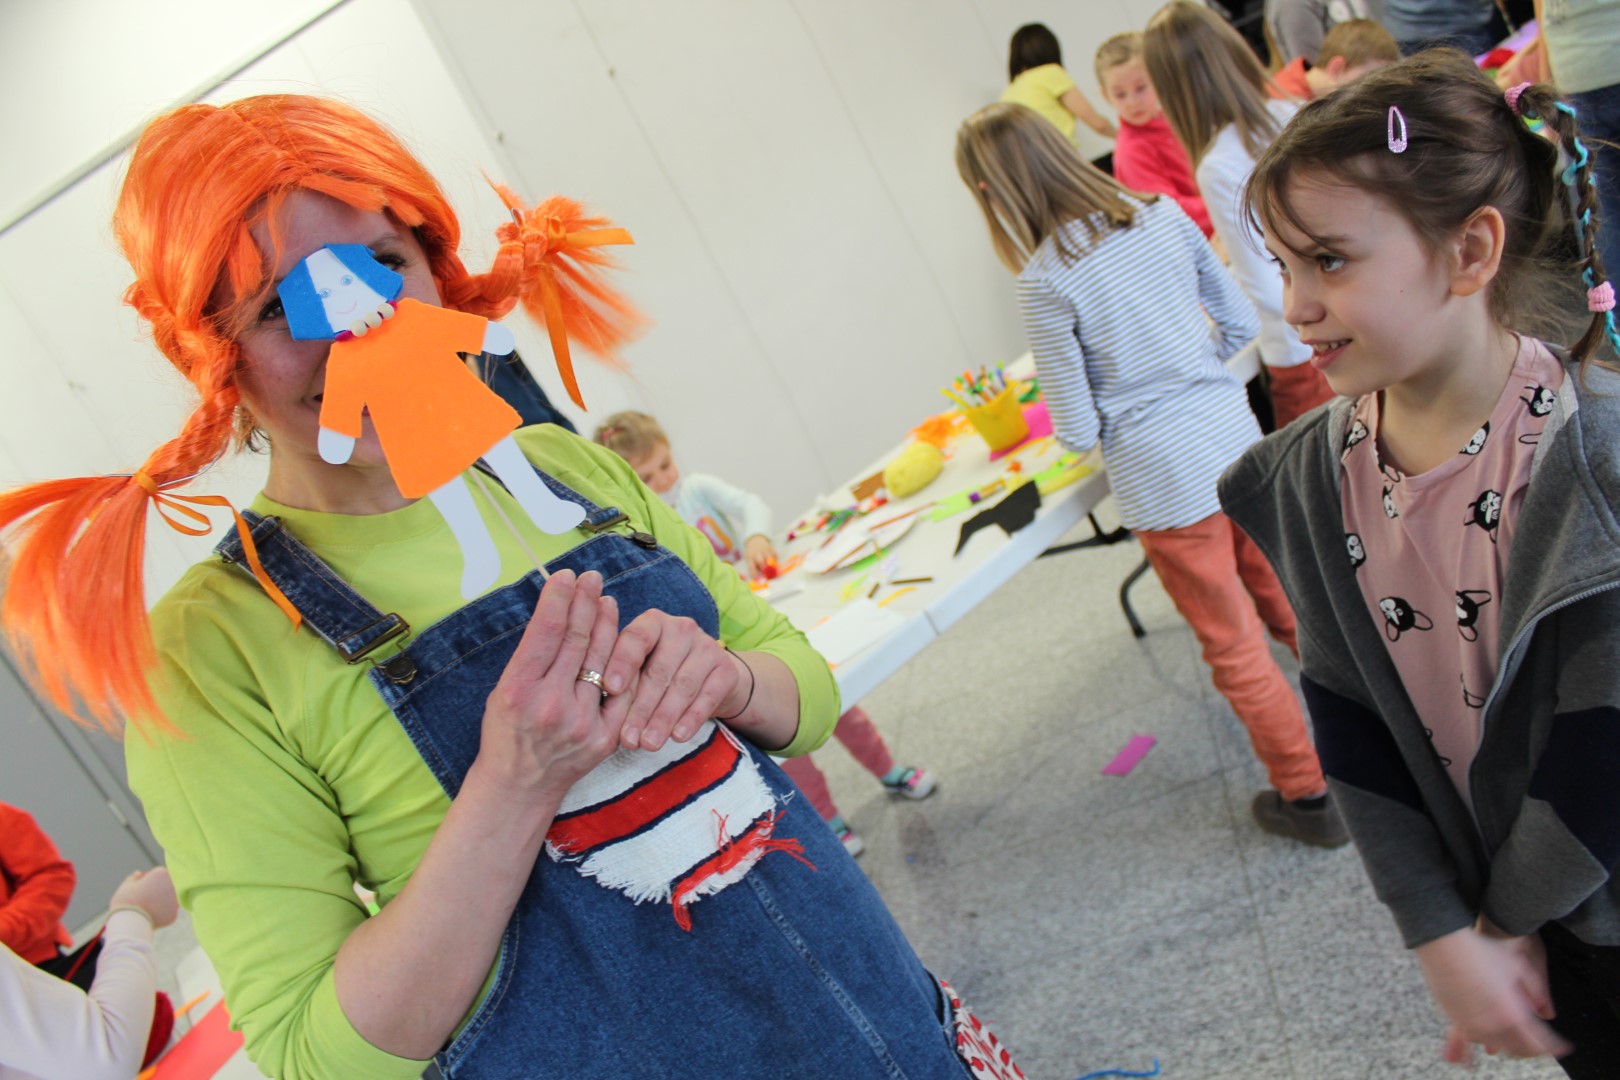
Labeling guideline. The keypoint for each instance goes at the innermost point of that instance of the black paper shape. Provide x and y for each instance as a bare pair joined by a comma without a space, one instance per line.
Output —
1011,513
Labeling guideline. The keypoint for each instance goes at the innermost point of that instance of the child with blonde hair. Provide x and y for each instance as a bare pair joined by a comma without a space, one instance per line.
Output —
723,513
1147,156
1218,101
1348,51
1118,291
1449,531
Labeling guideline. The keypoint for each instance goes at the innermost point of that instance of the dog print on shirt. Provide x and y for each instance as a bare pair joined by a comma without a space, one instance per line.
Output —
1357,432
1356,549
1486,512
1540,400
1469,601
1400,617
1477,443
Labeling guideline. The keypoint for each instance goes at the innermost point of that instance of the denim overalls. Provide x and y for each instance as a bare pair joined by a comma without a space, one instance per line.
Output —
792,966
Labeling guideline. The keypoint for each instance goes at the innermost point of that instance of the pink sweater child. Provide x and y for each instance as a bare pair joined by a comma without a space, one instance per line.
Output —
1147,157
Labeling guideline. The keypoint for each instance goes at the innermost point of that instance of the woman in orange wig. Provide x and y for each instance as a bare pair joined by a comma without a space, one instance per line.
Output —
585,862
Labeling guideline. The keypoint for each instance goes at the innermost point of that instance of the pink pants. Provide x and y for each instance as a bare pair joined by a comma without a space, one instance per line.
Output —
1228,593
860,737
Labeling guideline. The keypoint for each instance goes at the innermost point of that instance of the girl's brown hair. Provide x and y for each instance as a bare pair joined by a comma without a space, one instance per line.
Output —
1466,148
1206,77
1030,181
631,434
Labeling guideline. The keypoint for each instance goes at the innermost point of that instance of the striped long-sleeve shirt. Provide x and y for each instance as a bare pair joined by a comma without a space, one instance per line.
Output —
1128,358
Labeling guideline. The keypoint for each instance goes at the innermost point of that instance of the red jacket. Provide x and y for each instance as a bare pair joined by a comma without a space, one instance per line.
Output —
36,884
1148,158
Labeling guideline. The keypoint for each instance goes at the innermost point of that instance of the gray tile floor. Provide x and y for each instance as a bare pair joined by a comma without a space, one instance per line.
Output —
1101,922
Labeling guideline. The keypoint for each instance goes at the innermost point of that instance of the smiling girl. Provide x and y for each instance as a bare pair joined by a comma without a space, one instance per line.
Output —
1447,532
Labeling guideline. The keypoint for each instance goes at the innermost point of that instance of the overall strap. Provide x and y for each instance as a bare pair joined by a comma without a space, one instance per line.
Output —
597,518
342,617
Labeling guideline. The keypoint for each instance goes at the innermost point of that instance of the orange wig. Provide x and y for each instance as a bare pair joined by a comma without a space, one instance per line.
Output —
199,178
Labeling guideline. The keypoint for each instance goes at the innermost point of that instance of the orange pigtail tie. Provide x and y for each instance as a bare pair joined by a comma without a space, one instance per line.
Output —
557,240
168,505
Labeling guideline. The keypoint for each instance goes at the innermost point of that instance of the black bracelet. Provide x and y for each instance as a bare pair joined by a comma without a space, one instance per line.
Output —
751,683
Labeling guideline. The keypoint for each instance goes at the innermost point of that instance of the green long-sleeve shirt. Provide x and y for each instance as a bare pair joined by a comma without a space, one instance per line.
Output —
290,780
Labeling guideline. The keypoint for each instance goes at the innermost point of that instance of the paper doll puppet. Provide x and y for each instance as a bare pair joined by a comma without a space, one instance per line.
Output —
434,417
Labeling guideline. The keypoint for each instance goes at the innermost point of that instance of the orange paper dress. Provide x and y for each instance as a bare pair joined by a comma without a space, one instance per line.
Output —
433,416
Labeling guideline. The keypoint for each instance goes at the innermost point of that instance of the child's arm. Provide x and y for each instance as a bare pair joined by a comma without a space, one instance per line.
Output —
41,884
1049,321
1564,844
747,511
49,1027
1082,110
1494,991
1223,300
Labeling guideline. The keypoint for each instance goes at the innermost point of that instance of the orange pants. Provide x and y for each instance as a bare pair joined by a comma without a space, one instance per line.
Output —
1295,391
1228,593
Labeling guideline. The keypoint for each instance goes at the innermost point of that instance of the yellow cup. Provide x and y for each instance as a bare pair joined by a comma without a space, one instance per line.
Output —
1001,421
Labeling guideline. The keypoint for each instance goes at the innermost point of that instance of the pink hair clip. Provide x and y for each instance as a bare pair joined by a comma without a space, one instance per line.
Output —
1600,297
1512,96
1397,143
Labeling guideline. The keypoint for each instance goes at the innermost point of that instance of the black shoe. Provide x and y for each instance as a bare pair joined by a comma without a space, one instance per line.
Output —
1318,823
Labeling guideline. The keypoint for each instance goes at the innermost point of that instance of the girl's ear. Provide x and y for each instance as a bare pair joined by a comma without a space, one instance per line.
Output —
1477,254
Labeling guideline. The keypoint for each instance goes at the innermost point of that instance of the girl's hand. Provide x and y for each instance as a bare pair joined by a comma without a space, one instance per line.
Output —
758,551
544,727
150,890
1494,992
668,677
1529,64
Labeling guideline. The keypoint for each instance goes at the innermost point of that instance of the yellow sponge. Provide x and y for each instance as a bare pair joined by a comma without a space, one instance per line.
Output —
913,470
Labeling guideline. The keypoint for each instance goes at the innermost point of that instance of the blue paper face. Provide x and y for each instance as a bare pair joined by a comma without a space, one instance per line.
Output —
334,288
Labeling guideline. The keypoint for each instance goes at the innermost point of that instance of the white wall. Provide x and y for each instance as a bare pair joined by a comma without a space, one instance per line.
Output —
812,265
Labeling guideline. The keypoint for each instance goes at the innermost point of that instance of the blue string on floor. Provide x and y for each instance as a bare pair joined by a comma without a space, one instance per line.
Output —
1121,1072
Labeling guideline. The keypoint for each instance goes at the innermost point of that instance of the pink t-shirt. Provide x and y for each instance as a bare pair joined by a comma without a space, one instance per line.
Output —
1431,552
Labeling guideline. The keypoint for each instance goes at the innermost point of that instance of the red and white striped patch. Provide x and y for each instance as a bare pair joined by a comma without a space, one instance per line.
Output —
673,824
978,1046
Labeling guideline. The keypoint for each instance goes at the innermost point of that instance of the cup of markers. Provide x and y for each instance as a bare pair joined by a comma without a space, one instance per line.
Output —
990,402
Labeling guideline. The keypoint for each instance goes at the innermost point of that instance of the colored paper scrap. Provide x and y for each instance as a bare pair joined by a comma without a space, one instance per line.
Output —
857,626
202,1051
1128,758
1012,513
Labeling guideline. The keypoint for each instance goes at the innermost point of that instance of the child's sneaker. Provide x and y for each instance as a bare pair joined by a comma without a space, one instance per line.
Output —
909,781
846,836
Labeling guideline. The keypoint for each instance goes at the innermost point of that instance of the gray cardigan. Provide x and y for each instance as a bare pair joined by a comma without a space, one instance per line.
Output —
1544,838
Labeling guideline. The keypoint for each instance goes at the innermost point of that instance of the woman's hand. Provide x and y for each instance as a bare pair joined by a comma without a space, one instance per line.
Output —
544,727
152,892
668,676
1494,992
759,550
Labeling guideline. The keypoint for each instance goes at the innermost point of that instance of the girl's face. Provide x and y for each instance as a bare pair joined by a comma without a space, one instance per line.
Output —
1130,92
1375,306
657,468
281,379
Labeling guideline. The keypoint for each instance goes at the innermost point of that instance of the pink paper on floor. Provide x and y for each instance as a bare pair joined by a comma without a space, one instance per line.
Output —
1040,426
1128,758
202,1051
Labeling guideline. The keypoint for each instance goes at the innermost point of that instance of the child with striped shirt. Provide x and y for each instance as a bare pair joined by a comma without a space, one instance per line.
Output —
1117,292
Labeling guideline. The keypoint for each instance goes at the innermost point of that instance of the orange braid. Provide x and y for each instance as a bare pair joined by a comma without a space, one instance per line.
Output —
199,178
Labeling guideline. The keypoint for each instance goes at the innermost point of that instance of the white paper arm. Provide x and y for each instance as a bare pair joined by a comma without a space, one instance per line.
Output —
335,448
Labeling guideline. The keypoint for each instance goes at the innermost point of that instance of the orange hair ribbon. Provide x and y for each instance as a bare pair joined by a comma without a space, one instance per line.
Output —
559,239
169,504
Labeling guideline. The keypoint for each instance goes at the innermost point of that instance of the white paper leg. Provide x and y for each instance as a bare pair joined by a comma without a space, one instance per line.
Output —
545,509
480,562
